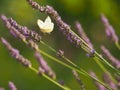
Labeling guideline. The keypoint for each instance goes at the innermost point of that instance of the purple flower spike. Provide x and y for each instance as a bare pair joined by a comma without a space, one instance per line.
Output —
2,88
113,60
110,32
78,79
109,81
5,21
83,34
44,67
99,86
15,54
13,33
12,86
12,24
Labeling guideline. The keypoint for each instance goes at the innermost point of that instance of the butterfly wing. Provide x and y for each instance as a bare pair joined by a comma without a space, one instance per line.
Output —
48,20
47,26
40,23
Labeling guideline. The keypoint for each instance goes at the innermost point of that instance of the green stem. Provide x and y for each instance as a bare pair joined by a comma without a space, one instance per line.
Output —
117,45
56,60
105,85
44,75
56,83
107,63
70,67
98,55
50,79
33,69
52,49
48,46
104,69
81,71
95,58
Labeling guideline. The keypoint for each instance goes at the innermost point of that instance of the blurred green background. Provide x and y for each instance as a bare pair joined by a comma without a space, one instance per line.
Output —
86,11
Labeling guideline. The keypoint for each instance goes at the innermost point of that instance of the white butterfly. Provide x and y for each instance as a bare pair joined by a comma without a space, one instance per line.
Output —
46,26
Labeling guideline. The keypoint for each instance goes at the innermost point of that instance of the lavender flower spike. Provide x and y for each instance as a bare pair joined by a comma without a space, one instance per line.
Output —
118,80
12,24
15,54
78,79
12,29
107,53
99,86
44,66
82,33
110,32
12,86
20,32
109,81
30,34
2,88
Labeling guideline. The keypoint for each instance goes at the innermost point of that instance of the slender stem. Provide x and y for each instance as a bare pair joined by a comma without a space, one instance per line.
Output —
104,69
117,45
105,85
56,60
98,55
56,83
96,59
33,69
68,60
81,71
50,79
52,49
107,63
99,63
42,42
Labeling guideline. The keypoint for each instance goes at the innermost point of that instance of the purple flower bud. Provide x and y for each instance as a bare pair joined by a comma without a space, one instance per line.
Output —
61,82
60,53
